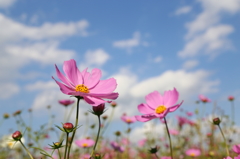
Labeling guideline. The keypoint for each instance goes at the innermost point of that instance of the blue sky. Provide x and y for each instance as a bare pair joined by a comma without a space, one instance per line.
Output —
145,45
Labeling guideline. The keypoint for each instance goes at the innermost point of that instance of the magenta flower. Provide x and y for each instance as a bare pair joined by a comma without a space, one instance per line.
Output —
157,106
116,146
128,119
84,143
204,99
193,152
236,148
231,98
85,84
66,102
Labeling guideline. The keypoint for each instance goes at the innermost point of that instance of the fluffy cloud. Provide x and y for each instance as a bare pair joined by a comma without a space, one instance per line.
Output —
11,88
205,33
6,3
183,10
190,64
129,43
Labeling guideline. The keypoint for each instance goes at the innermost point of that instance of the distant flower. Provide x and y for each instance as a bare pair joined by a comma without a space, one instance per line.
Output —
128,119
183,120
7,141
85,156
236,148
84,143
66,102
85,84
142,142
231,98
193,152
116,146
204,99
157,106
228,158
173,132
165,157
189,113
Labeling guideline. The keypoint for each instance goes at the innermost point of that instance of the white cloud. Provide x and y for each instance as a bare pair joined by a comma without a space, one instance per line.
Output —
190,64
8,89
183,10
129,43
6,3
45,53
15,31
187,83
96,57
158,59
205,33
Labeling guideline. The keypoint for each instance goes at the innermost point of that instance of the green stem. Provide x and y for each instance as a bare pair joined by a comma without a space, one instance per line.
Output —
226,146
99,128
232,112
76,123
169,137
26,149
59,153
156,155
65,153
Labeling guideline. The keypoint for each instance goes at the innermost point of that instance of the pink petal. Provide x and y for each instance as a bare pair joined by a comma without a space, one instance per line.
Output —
93,79
65,89
143,119
104,95
94,101
170,97
162,115
72,72
105,86
63,78
154,99
175,107
145,109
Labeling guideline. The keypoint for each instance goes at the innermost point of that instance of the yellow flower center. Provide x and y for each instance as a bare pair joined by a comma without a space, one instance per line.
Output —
160,109
84,145
10,144
128,120
192,154
82,88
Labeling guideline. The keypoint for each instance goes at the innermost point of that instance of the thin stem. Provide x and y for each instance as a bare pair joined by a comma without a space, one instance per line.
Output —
169,137
156,155
76,123
26,149
59,154
232,112
226,146
65,153
99,128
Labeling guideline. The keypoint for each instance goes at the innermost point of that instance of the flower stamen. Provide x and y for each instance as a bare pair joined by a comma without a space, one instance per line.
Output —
160,109
82,88
84,145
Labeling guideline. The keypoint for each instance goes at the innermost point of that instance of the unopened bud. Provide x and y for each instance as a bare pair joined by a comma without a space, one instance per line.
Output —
68,127
216,121
113,104
17,135
98,110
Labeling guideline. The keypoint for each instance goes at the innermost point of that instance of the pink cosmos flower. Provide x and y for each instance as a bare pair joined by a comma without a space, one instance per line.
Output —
116,146
84,143
142,142
157,106
85,84
166,157
66,102
236,148
128,119
193,152
204,99
189,113
237,157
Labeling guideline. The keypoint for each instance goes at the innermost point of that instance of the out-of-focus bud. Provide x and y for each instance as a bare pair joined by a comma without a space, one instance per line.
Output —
56,145
5,116
231,98
98,110
18,112
104,117
216,121
118,133
113,104
92,126
154,150
68,127
17,135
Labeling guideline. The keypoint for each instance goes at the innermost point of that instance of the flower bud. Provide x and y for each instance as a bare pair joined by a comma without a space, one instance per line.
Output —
98,110
68,127
117,133
154,150
5,116
216,121
104,117
17,135
113,104
231,98
18,112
